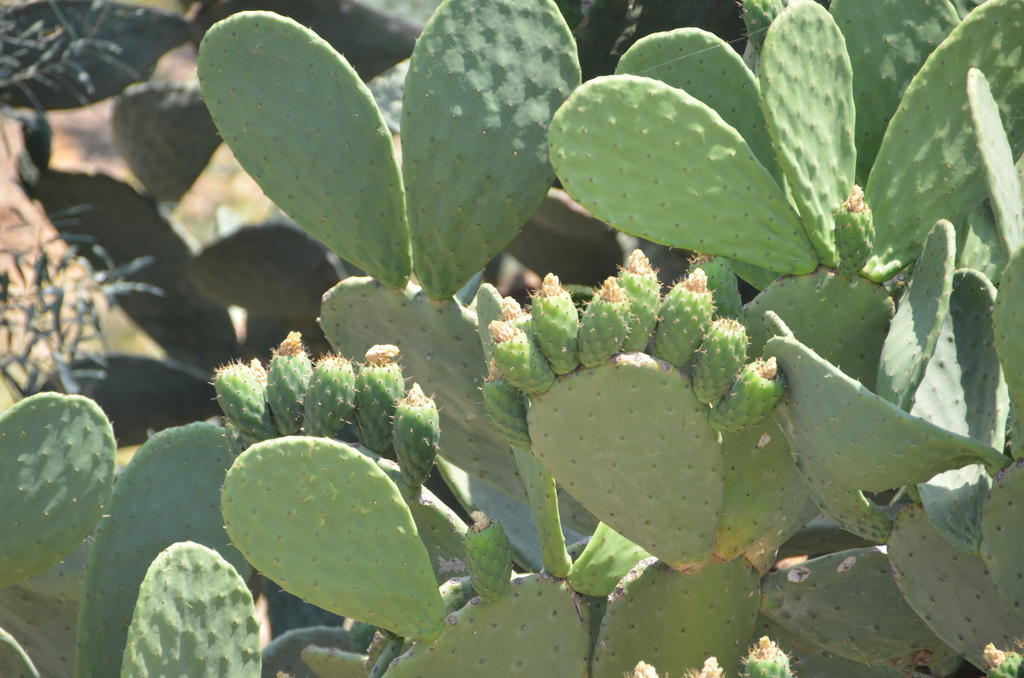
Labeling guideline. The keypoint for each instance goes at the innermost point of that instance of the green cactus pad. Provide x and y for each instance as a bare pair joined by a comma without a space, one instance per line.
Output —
935,578
296,116
330,662
194,616
812,128
723,285
675,621
539,629
483,83
44,626
519,358
543,494
753,396
242,396
283,653
488,308
1004,185
765,501
488,558
63,580
758,16
57,467
330,398
379,385
720,359
606,559
685,316
915,329
619,141
843,458
708,68
604,326
14,661
287,382
417,432
855,234
888,42
1008,320
555,323
1002,533
170,492
346,517
635,419
848,604
955,502
640,283
849,335
441,351
927,167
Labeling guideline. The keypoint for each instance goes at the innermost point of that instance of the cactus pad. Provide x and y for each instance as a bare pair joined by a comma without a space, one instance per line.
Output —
620,143
57,467
362,532
296,114
635,420
194,615
607,558
483,83
539,629
1002,533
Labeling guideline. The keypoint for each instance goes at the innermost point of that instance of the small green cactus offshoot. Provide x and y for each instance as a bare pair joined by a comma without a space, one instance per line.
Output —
752,397
506,406
556,325
242,396
721,356
766,660
1003,664
331,396
641,285
519,358
722,282
489,558
604,324
685,315
417,432
855,234
287,382
379,385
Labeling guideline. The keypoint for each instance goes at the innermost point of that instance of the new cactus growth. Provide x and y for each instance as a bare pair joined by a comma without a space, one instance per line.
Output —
711,669
506,406
555,323
855,233
287,382
640,282
331,398
417,432
721,356
242,395
379,385
685,316
1002,664
519,358
722,282
489,558
766,660
751,398
604,325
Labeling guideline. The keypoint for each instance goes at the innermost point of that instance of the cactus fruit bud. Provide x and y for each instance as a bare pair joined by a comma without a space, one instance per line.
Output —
242,396
287,382
855,233
489,558
644,670
766,660
379,385
641,285
604,324
723,283
753,397
1002,664
519,358
721,356
506,406
711,669
556,325
331,396
685,315
513,313
417,432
